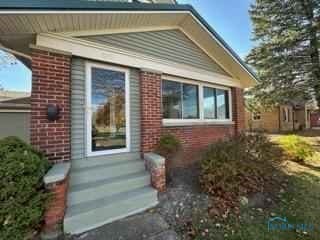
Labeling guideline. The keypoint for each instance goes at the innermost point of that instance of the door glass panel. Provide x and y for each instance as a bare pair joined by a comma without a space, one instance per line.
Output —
108,109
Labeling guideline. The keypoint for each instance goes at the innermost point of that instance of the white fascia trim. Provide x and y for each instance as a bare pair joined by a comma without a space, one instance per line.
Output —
86,49
36,12
221,45
117,31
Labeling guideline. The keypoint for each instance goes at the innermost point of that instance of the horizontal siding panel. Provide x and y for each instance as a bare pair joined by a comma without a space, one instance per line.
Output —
170,45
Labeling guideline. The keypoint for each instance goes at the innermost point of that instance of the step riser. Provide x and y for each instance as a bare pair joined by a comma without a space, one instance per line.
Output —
101,160
107,190
100,216
96,174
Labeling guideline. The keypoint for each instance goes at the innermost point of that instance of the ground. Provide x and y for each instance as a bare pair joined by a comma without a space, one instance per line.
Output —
183,209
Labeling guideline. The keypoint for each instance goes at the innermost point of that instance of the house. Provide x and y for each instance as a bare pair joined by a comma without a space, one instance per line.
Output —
315,119
282,118
15,114
109,78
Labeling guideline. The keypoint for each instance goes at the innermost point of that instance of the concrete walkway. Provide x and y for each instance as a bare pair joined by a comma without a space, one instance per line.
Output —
145,226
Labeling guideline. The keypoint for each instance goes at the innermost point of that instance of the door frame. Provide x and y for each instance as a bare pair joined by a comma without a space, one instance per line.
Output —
88,111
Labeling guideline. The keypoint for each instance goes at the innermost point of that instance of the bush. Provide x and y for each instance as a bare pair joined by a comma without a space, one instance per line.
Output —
296,148
238,166
168,145
22,198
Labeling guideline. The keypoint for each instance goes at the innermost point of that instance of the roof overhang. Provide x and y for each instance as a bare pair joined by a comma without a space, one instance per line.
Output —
20,25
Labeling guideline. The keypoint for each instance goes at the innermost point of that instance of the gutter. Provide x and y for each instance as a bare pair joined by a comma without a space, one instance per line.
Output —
97,5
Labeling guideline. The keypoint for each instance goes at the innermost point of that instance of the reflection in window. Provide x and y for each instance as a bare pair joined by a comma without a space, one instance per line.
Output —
222,104
171,99
108,109
179,100
209,103
190,101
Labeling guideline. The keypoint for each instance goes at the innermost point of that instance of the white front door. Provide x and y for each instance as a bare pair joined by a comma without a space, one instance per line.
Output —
107,112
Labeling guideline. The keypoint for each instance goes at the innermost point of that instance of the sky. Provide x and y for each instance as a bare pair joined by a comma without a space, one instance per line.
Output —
229,18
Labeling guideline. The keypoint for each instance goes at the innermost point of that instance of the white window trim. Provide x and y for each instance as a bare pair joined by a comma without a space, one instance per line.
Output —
201,120
88,111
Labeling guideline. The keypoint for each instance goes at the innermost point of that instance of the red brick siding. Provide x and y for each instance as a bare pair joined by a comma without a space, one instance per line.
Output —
56,206
238,110
150,91
50,85
193,138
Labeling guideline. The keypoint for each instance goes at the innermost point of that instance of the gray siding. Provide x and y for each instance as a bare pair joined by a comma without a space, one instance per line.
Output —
78,124
15,124
170,45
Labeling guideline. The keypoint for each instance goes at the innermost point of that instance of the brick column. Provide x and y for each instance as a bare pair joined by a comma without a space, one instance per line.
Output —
51,86
150,91
238,109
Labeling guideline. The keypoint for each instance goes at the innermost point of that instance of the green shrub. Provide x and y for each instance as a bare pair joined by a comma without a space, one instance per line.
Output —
237,166
296,148
168,145
22,198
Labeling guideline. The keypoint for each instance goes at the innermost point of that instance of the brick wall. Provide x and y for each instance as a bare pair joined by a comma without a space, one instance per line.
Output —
50,85
150,92
193,138
238,110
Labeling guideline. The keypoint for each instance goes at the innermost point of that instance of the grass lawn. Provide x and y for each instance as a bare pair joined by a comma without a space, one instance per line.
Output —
298,201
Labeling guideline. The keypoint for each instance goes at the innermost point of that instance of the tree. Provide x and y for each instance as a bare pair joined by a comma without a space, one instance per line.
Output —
286,56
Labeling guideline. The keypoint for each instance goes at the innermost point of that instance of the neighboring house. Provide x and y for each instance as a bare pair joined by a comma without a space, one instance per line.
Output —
15,115
282,118
8,95
315,119
112,78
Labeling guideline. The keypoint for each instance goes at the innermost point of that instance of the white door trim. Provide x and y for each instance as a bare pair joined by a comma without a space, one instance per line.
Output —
88,111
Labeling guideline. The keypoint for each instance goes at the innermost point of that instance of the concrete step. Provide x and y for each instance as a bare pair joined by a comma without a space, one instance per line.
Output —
92,214
107,187
102,160
107,170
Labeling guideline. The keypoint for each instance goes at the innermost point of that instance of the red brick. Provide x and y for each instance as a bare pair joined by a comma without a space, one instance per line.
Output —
51,85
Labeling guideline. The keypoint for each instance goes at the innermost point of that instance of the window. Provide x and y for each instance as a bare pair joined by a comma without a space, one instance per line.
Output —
209,103
180,100
185,101
256,116
215,103
222,104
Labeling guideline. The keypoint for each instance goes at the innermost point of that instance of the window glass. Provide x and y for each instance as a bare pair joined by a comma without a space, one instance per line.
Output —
209,103
181,101
108,109
190,101
222,104
171,99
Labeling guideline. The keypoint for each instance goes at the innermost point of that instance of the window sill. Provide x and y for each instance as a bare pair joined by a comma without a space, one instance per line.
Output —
194,122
